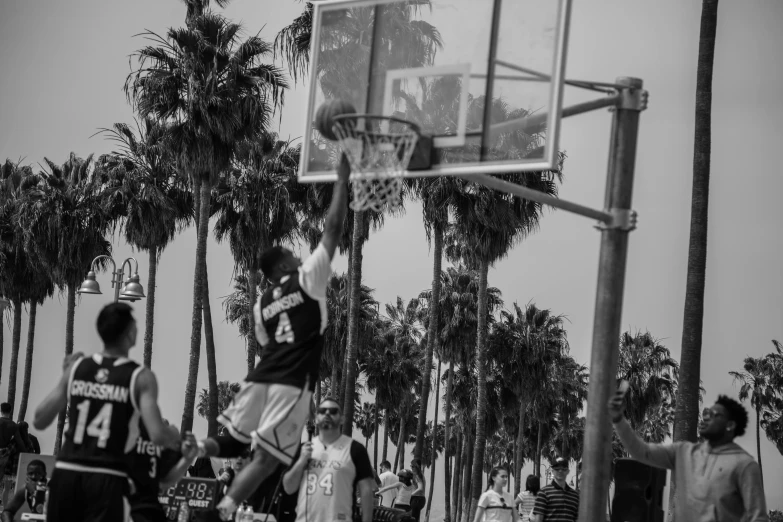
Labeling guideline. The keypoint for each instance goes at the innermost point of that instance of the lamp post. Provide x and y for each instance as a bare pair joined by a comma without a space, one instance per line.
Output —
132,291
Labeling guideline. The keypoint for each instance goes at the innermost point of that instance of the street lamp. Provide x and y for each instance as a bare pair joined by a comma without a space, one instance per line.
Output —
132,291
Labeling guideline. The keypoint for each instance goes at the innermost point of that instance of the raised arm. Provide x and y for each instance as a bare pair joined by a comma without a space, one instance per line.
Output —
397,485
57,399
333,227
293,477
189,451
656,455
147,397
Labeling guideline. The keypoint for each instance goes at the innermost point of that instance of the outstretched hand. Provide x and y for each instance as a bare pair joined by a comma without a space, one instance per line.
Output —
343,169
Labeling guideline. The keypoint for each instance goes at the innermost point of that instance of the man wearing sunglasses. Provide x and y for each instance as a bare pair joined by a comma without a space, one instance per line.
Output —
715,479
330,471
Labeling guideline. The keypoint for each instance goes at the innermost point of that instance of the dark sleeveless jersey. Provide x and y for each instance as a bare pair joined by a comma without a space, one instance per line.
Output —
103,417
292,321
148,464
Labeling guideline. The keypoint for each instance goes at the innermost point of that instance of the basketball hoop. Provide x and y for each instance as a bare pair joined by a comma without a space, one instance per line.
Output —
379,149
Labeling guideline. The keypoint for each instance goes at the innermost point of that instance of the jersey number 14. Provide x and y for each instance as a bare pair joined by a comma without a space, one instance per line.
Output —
99,427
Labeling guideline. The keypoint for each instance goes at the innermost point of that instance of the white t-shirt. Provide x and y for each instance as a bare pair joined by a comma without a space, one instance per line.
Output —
387,479
497,507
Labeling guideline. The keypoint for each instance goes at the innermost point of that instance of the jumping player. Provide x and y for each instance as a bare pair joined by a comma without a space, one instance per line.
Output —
274,403
105,394
151,468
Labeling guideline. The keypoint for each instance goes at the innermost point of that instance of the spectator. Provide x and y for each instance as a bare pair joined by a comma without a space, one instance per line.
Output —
387,479
11,443
526,500
30,439
495,504
34,492
202,468
557,501
418,500
404,488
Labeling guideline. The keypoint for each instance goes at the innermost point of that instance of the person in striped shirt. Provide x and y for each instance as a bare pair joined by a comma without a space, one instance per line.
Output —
496,504
557,502
526,500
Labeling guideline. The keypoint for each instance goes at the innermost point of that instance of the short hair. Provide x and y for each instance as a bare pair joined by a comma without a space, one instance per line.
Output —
386,464
736,412
38,463
23,426
329,398
270,258
6,408
533,484
113,321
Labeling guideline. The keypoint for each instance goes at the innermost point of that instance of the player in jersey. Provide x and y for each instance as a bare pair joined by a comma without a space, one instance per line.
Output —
330,471
106,394
152,467
270,410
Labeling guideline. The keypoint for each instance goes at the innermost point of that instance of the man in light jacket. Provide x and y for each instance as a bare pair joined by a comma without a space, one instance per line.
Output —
715,479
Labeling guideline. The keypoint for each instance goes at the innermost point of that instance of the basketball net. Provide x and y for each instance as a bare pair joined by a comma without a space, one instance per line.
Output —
379,149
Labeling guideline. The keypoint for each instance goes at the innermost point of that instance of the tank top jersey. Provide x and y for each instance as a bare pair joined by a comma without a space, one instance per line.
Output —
103,416
148,464
327,492
290,319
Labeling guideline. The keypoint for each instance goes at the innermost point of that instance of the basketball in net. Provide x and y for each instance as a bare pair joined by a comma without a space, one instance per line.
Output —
324,116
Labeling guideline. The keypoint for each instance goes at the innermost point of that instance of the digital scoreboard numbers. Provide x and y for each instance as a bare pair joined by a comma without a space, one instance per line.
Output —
200,495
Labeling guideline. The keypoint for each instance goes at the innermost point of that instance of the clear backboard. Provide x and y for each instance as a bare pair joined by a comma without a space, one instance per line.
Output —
435,63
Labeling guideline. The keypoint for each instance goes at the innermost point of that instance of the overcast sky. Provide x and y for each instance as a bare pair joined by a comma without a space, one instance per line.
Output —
64,63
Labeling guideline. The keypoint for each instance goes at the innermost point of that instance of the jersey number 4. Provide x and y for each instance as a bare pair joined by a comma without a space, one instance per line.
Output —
326,482
284,334
99,426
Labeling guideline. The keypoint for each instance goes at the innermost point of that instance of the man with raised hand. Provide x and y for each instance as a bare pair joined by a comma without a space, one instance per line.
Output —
274,403
715,479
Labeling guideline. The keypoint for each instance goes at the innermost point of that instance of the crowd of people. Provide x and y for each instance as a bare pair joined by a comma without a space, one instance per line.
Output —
118,446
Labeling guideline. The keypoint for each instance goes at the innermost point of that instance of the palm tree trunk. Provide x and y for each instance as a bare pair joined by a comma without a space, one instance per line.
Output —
375,445
69,318
252,343
385,433
353,321
564,446
758,442
2,337
209,336
334,386
16,340
459,464
198,296
686,415
432,339
342,388
539,447
446,438
481,396
399,459
434,445
28,361
687,412
318,392
467,478
150,312
518,453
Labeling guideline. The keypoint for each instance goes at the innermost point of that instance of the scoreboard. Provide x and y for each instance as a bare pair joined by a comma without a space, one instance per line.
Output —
200,495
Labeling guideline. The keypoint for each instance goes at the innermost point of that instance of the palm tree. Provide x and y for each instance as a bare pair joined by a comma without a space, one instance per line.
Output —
226,392
652,375
687,412
344,54
214,91
143,191
365,421
754,379
239,310
255,209
489,224
64,224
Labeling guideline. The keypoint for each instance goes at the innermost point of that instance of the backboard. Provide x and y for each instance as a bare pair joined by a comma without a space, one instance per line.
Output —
435,62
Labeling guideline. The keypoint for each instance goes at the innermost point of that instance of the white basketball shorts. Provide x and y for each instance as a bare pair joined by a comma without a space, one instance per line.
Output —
270,416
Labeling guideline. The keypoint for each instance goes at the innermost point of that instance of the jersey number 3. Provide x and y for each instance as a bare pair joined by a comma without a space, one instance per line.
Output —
98,428
284,334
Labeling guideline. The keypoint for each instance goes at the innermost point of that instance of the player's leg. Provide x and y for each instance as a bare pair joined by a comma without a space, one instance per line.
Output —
106,498
241,418
66,501
276,439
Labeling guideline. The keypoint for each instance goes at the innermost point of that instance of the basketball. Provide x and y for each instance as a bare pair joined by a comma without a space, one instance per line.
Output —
324,117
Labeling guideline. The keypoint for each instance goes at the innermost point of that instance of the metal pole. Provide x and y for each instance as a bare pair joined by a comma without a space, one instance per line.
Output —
596,461
117,281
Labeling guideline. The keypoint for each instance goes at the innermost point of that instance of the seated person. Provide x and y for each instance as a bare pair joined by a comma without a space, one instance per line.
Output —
34,492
